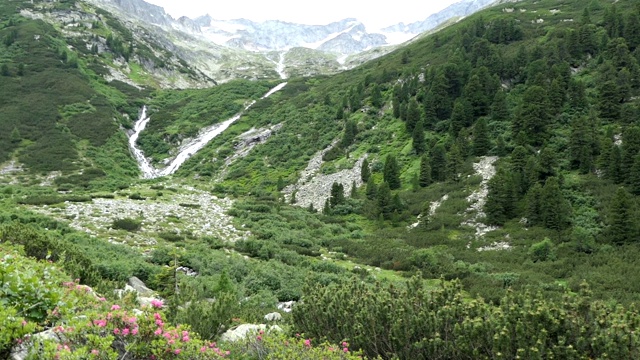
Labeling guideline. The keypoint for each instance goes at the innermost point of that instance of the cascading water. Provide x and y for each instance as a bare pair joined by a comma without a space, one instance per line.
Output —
148,172
185,152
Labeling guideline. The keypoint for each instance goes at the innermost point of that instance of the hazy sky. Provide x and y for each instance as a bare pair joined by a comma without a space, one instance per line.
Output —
317,12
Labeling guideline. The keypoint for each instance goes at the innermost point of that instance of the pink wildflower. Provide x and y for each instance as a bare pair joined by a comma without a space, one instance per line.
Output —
102,299
115,307
156,303
24,322
307,343
259,338
95,352
116,331
345,350
203,349
177,351
158,331
134,331
125,331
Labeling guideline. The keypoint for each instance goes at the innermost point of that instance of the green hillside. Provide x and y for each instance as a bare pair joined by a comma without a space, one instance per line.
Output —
496,164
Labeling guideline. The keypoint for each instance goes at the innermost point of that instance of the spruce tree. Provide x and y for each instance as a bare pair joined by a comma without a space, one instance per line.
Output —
500,205
555,210
391,172
634,176
365,172
461,117
337,194
376,96
413,116
621,221
481,141
425,172
614,169
383,200
533,204
439,163
372,189
419,143
15,135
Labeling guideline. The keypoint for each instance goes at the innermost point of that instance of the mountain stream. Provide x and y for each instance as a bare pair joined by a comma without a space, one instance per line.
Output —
186,151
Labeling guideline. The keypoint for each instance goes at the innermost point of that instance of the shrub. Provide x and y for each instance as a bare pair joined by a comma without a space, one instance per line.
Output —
127,224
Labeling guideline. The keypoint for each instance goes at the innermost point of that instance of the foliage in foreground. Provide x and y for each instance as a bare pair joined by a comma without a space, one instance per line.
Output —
415,323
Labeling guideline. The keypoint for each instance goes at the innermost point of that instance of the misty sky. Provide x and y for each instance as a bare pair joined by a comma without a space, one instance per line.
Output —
318,12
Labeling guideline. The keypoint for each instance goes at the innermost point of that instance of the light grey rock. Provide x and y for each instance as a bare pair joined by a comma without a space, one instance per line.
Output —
20,352
242,331
139,286
274,316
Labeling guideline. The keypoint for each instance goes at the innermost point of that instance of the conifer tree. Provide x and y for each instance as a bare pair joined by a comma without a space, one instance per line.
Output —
500,205
419,144
15,135
372,189
555,209
614,169
365,172
533,116
391,172
461,117
634,176
534,205
337,194
455,162
376,96
425,172
383,200
350,132
481,141
622,228
413,116
439,163
354,190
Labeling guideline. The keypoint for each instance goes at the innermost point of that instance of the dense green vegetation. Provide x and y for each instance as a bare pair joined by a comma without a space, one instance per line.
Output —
553,95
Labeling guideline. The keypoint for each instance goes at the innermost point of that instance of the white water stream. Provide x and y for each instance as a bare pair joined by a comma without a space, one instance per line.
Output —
185,152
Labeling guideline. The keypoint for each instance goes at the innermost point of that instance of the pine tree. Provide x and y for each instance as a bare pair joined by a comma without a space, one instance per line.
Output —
461,117
455,162
500,205
391,172
481,142
354,190
439,163
350,132
533,116
534,205
365,172
546,163
15,135
614,169
383,200
4,70
376,96
630,148
425,172
622,228
372,189
557,95
327,208
555,210
413,116
419,143
337,195
634,176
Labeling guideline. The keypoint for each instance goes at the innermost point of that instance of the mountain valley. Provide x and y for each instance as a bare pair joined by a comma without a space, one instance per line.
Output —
470,193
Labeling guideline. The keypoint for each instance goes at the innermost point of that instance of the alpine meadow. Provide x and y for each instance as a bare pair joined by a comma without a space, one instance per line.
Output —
473,193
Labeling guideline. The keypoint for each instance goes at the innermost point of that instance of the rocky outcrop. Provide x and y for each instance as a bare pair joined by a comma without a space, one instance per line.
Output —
478,198
314,189
242,331
274,316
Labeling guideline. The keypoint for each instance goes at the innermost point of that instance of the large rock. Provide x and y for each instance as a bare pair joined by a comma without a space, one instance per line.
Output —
240,332
274,316
20,352
139,286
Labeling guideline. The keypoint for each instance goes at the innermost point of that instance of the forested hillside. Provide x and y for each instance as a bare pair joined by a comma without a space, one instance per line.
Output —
496,163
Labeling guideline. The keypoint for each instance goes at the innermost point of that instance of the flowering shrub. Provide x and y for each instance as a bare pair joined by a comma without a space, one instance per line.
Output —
274,345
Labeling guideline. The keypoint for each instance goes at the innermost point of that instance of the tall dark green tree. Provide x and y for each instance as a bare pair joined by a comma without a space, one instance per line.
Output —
533,116
413,116
461,117
499,108
376,96
384,201
534,205
622,225
425,172
337,194
391,172
555,209
350,132
634,176
372,189
481,141
501,199
419,143
439,163
365,172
